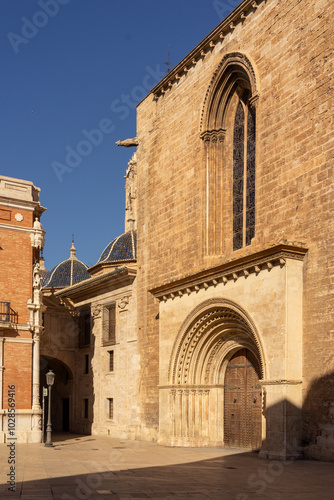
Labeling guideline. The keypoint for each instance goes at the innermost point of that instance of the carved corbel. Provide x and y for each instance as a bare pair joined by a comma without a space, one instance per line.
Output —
96,310
123,303
221,136
69,305
254,100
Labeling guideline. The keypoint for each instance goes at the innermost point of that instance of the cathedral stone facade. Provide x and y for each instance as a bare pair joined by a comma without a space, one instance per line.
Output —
235,237
209,322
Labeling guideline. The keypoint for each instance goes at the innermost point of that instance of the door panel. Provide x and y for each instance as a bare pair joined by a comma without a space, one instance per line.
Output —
242,407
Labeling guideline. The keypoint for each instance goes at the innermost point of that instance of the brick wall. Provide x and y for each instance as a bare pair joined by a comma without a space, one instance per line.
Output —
16,259
17,362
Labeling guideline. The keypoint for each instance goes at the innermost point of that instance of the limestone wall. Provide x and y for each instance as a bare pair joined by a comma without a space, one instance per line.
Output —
290,46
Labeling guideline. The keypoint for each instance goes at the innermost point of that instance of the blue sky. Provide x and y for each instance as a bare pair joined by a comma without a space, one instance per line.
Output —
67,67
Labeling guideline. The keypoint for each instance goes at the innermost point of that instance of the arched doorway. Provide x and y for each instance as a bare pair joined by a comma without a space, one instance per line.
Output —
214,340
242,401
61,394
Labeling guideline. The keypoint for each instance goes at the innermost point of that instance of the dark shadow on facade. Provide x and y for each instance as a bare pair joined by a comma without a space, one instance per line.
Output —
61,393
318,419
283,439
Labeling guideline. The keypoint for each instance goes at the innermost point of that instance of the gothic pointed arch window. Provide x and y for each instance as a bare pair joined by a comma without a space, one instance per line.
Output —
244,173
228,126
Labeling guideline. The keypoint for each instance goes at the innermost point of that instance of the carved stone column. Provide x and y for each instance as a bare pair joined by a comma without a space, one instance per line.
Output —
35,373
213,196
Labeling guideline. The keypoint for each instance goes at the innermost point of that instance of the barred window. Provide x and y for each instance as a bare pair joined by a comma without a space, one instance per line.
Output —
111,408
109,325
111,361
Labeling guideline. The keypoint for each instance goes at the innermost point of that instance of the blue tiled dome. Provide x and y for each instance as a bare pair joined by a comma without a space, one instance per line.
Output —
44,276
67,273
123,248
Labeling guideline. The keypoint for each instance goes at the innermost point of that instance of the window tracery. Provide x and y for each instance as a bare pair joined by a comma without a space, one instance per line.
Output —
244,173
229,136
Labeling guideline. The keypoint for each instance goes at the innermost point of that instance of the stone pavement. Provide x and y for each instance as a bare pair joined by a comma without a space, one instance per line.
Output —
102,468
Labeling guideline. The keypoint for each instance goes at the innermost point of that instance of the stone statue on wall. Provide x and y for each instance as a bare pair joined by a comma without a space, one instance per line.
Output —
131,194
36,277
37,236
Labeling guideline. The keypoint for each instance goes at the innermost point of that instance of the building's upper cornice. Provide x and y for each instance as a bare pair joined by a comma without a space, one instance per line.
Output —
20,194
238,15
118,277
231,271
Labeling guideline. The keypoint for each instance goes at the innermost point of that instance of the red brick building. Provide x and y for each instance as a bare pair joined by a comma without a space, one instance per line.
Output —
21,239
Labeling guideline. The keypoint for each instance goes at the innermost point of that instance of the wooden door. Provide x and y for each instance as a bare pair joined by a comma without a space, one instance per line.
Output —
243,401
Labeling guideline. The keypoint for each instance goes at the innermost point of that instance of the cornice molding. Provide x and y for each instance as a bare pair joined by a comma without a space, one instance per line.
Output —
30,206
11,227
280,382
18,340
123,276
99,266
191,387
17,327
238,15
255,263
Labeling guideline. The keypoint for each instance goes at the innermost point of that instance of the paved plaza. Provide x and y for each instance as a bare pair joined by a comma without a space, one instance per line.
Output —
101,468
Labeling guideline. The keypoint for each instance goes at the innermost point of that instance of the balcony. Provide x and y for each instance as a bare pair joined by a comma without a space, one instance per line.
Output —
7,315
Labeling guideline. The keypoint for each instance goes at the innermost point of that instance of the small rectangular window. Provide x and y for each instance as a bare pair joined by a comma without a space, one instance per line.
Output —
111,408
85,408
86,364
111,361
109,325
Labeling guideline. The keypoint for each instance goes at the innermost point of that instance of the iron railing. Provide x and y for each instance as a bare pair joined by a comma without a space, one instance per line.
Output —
7,314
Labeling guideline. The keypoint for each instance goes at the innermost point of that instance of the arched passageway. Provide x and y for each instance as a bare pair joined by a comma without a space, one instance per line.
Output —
61,393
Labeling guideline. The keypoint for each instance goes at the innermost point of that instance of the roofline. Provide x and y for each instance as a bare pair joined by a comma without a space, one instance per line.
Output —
96,282
217,34
101,265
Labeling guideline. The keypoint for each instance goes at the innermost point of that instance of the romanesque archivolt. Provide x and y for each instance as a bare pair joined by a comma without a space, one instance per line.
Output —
212,333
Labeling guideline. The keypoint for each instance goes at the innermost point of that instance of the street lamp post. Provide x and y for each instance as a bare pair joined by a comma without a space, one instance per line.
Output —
50,378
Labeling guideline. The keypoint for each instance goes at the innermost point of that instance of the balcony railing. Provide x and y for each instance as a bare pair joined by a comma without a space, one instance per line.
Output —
7,314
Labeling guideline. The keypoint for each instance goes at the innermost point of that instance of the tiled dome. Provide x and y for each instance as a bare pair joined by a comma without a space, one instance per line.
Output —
67,273
44,276
123,248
